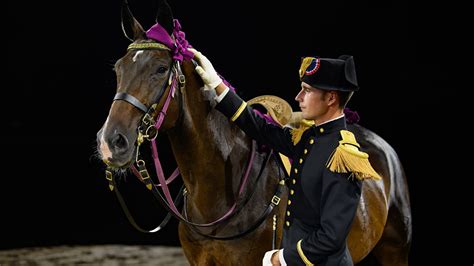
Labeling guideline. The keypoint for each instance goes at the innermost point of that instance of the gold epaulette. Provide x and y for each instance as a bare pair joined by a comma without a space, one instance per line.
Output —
347,158
296,133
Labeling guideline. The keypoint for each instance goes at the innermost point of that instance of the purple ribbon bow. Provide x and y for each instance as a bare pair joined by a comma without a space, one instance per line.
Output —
179,46
352,117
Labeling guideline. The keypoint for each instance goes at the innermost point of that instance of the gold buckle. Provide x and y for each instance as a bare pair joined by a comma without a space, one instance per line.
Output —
276,200
144,174
108,175
147,119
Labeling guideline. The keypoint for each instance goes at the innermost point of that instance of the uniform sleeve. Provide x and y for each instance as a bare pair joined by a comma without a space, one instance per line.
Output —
255,126
339,201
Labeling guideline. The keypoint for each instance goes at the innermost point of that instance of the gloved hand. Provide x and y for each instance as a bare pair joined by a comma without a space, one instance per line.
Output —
267,258
206,71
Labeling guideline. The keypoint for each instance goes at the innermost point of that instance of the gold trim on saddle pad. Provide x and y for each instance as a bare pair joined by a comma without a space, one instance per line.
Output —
277,108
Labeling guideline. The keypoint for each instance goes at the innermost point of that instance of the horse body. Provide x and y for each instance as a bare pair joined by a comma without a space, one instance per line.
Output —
212,155
383,220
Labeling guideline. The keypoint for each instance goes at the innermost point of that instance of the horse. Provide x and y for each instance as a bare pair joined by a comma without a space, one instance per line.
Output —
212,155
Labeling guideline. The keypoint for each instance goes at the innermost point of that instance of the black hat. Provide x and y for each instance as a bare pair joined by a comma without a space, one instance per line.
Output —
329,74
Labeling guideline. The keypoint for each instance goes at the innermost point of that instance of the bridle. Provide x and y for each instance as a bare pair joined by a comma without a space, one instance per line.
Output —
148,131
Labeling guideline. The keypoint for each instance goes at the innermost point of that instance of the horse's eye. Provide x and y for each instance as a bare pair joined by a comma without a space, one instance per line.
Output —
161,70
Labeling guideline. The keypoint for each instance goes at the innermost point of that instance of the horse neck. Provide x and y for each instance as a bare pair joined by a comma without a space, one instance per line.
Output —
210,153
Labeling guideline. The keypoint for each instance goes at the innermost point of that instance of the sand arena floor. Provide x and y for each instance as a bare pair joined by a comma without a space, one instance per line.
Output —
94,255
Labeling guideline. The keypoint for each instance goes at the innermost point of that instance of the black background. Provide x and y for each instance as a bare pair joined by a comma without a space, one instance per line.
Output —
59,62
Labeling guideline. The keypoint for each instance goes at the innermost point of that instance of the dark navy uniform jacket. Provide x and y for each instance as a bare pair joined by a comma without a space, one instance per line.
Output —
321,204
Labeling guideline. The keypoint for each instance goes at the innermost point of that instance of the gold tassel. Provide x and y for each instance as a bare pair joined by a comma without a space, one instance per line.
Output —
296,133
347,158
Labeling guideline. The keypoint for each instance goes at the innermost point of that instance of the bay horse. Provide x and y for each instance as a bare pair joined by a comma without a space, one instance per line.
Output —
212,156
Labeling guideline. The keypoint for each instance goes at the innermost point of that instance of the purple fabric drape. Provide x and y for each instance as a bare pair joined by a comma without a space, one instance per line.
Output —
179,46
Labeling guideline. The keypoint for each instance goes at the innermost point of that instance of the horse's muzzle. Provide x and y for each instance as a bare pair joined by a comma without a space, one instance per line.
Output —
114,149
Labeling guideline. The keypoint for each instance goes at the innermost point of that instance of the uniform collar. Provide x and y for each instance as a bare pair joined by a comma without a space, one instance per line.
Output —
330,126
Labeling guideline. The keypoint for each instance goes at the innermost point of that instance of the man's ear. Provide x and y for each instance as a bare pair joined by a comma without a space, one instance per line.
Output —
333,98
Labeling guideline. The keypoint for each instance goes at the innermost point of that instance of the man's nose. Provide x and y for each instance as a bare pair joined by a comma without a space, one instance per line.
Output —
298,97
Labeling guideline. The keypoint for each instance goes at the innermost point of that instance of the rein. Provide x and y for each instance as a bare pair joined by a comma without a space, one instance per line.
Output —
273,203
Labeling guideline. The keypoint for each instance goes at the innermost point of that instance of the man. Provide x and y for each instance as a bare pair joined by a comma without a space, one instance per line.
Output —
325,181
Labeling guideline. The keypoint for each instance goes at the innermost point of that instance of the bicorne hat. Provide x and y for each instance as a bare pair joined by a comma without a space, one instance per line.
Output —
329,74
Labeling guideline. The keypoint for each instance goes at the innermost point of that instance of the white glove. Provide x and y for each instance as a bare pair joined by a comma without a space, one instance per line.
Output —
206,71
267,259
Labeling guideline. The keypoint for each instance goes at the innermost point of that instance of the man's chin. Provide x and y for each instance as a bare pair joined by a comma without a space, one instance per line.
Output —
307,117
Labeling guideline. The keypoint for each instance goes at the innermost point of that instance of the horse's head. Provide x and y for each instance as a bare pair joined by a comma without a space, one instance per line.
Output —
143,84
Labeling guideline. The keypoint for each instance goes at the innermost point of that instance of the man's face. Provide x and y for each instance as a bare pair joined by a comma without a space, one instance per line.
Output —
313,102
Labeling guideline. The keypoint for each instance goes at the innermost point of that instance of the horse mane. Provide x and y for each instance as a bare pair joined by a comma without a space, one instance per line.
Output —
223,133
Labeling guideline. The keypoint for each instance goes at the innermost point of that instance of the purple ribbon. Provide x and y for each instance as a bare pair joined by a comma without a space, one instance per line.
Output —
179,46
267,118
352,117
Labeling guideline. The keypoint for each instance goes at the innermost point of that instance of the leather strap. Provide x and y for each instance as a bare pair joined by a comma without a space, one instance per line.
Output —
130,99
273,202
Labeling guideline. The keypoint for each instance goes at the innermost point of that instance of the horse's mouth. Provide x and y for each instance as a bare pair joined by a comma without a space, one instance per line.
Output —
119,163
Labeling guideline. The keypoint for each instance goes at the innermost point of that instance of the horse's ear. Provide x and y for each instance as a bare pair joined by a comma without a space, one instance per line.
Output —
164,16
130,26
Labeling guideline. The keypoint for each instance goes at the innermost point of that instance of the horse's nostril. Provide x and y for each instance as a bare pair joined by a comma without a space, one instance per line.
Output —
119,142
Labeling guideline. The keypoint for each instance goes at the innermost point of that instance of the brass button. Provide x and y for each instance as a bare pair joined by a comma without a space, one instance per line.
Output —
287,223
289,202
305,151
296,170
287,213
321,130
311,141
293,181
292,192
301,161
